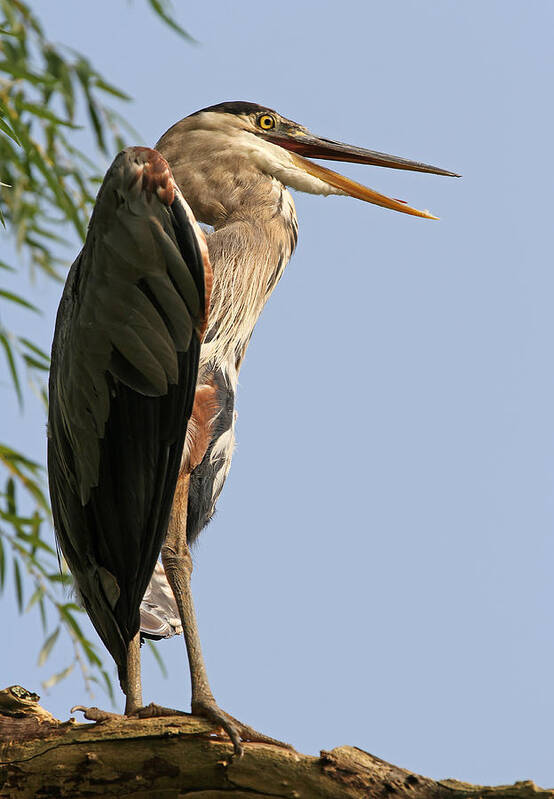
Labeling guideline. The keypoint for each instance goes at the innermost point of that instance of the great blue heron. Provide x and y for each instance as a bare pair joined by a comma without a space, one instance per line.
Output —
146,354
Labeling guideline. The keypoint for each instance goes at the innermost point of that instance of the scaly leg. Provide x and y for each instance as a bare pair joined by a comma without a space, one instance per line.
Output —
133,686
177,563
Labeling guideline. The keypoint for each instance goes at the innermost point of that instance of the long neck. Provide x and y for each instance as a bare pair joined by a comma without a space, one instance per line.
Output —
255,231
249,250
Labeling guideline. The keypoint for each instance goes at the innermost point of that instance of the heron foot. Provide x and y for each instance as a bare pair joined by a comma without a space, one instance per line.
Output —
235,729
150,711
95,714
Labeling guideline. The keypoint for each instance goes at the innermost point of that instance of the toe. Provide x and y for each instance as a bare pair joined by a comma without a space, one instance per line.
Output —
211,711
153,710
95,714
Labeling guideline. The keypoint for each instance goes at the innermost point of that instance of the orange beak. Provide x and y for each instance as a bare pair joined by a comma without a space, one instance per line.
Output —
302,144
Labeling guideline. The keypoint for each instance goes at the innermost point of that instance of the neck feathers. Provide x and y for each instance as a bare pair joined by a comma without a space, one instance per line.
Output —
255,230
249,250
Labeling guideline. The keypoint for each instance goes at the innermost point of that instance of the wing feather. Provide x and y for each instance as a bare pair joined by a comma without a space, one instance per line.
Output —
124,369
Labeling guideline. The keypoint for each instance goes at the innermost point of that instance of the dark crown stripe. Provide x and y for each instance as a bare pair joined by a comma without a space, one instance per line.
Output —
236,107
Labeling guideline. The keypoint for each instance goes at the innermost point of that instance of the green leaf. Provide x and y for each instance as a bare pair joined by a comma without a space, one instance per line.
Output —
37,593
25,471
45,113
12,454
42,613
53,179
84,74
34,348
18,584
90,652
157,657
73,607
105,683
4,341
163,10
2,565
10,496
12,517
47,646
9,295
58,67
36,542
34,364
5,128
61,577
26,74
75,630
56,678
107,87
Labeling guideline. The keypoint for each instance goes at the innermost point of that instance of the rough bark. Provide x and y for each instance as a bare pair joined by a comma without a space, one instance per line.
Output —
179,757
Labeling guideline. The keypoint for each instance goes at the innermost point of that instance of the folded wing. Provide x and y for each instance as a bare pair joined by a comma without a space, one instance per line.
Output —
124,369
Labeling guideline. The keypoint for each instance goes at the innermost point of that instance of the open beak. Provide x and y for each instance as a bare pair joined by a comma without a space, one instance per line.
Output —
302,144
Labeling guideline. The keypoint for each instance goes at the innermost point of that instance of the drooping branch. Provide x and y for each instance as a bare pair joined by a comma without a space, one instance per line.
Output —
179,757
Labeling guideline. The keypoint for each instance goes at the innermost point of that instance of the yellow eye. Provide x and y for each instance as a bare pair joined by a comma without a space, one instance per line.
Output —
266,122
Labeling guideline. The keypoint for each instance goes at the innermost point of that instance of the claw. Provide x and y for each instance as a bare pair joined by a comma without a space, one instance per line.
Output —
235,729
227,723
95,714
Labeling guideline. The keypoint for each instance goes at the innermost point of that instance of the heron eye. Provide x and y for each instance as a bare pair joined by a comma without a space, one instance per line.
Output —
266,122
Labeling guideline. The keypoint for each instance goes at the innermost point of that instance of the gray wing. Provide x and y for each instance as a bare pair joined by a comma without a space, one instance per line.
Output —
124,368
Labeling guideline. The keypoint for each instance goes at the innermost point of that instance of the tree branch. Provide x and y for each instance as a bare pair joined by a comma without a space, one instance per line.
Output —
179,757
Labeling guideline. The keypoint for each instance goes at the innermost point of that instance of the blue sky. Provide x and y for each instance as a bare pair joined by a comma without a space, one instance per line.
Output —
379,572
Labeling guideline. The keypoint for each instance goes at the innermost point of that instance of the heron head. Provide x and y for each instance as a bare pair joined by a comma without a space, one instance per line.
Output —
279,147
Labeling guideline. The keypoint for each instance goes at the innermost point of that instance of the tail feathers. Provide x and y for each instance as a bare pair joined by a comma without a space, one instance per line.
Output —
159,615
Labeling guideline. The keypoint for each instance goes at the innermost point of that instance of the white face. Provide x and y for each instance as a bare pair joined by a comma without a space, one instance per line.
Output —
244,132
248,136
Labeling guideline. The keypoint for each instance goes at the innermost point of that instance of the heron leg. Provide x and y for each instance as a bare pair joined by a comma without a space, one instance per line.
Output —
177,563
133,685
